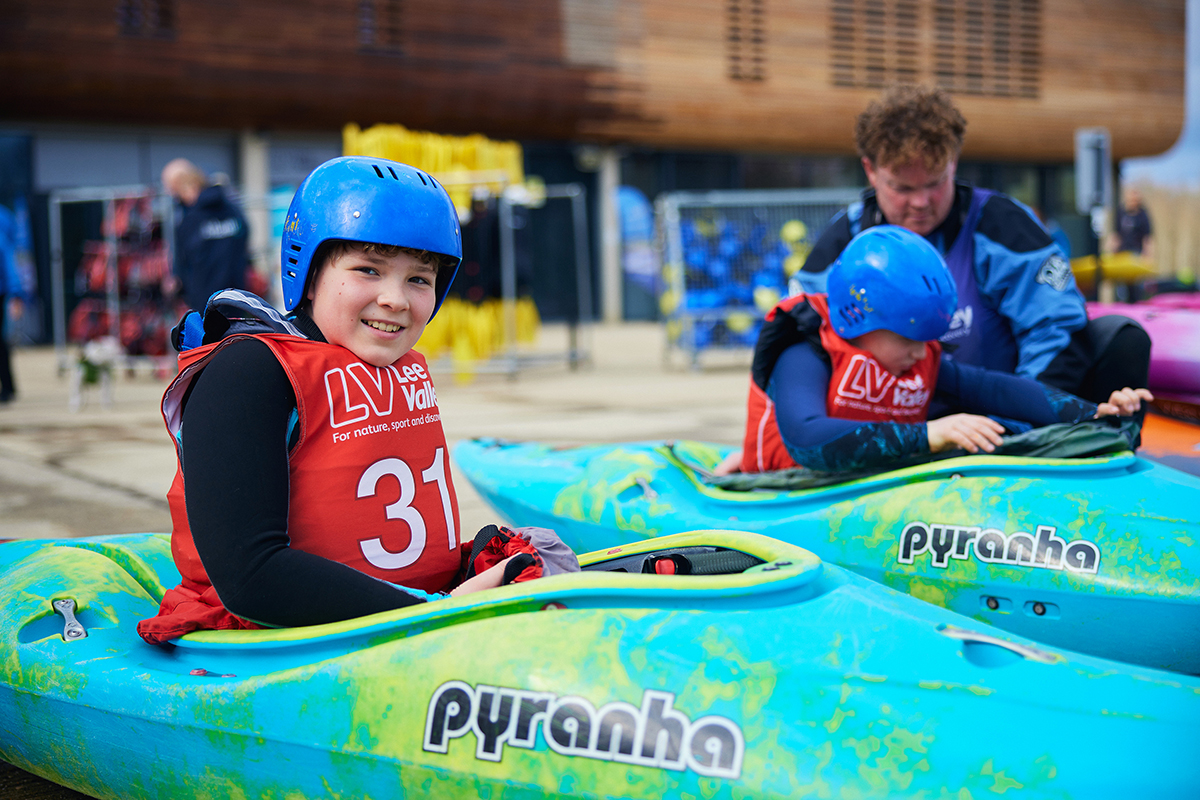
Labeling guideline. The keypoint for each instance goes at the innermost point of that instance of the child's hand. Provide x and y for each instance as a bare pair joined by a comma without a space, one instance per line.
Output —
971,432
730,464
488,579
1123,402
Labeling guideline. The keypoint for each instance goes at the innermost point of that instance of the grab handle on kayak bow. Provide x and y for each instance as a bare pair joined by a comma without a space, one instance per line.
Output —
73,629
975,638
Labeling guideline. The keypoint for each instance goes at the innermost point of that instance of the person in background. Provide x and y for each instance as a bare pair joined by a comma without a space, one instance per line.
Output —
1134,232
1018,308
210,239
12,297
844,381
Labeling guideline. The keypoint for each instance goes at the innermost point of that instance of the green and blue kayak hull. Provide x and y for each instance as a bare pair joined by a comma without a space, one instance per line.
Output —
1095,555
790,679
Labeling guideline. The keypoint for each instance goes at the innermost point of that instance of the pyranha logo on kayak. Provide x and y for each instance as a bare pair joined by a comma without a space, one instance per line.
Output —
1043,549
655,735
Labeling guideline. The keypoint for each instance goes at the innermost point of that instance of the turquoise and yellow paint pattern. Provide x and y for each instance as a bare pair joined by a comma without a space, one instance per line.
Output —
1094,555
793,679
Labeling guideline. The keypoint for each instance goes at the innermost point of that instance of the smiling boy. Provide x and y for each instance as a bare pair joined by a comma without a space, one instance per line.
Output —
318,481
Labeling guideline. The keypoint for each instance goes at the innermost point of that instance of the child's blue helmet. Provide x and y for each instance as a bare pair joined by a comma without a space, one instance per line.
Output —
891,278
373,200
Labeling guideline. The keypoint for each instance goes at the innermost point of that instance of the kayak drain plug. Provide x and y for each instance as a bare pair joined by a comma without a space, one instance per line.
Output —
993,603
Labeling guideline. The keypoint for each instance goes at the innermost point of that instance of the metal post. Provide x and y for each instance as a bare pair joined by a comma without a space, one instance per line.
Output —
612,276
58,299
583,268
508,283
112,300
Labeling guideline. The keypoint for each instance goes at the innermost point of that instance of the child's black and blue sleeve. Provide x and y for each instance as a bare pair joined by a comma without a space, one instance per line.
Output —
798,388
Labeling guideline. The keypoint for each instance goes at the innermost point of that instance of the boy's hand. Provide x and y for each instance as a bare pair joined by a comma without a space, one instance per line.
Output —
971,432
488,579
1123,402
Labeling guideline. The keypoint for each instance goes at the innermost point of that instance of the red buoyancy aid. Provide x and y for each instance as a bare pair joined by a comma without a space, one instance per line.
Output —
369,477
859,388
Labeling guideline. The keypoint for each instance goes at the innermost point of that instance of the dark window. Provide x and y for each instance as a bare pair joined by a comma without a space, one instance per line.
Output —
381,25
746,39
152,18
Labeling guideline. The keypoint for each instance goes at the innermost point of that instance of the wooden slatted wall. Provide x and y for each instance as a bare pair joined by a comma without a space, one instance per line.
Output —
771,75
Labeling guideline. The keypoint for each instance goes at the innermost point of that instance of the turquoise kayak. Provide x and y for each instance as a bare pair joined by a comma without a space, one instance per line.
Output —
754,671
1096,555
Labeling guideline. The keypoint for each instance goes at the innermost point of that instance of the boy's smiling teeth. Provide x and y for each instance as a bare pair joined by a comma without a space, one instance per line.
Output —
382,326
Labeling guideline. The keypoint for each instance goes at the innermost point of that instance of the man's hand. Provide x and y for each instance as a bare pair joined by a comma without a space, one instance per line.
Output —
971,432
1123,403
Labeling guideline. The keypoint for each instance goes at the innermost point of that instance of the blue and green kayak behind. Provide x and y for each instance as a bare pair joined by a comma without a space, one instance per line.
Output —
1097,555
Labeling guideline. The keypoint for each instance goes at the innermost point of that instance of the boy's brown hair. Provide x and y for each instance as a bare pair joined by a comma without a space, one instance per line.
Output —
908,124
336,248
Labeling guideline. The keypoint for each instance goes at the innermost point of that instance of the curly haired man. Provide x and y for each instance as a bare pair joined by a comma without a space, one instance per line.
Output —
1018,308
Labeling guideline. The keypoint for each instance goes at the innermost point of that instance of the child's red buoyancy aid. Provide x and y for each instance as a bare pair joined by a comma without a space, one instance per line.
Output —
859,388
369,476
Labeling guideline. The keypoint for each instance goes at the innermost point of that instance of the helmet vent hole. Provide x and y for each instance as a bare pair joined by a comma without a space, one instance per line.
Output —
422,176
377,170
292,260
930,286
297,248
393,174
291,273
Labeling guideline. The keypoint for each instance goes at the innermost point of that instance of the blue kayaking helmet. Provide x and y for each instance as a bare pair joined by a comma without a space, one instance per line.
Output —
891,278
372,200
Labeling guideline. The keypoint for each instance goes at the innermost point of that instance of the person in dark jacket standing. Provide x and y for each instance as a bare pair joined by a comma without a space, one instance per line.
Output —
210,240
12,294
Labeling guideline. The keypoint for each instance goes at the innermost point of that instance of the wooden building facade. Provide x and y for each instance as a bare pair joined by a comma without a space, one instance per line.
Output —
731,75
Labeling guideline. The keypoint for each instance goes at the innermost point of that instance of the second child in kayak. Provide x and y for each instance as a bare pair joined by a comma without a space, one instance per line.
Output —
855,379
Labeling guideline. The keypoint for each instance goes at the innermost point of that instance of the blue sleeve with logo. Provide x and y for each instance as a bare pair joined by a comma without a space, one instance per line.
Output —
965,388
1024,275
814,439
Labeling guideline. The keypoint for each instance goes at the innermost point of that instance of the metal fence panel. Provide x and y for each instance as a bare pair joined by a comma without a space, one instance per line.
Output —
728,256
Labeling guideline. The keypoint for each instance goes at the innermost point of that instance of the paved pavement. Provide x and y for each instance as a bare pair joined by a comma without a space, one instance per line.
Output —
105,470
